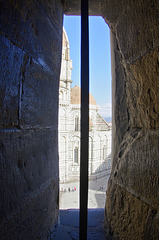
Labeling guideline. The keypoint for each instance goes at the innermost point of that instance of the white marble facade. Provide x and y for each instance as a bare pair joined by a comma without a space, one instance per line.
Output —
69,127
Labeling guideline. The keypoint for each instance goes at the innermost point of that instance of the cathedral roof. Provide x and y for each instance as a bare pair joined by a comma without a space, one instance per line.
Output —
76,96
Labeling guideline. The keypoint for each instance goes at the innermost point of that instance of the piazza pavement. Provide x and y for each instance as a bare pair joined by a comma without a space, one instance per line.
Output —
69,194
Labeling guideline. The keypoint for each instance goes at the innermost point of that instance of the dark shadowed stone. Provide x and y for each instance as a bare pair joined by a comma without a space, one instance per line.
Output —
28,168
30,42
11,59
39,105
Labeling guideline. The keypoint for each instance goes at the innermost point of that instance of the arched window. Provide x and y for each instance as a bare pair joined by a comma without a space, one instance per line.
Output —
77,123
104,152
76,155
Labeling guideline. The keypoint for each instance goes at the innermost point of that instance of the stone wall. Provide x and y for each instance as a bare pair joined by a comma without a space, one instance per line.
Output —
132,206
30,50
30,43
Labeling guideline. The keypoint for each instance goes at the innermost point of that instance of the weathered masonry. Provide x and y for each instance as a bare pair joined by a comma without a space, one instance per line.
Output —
30,50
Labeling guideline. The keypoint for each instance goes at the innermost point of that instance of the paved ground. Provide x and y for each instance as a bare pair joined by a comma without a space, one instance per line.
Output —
96,194
68,227
68,223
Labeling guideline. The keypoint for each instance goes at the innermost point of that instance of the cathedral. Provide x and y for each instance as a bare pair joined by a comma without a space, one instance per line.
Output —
69,127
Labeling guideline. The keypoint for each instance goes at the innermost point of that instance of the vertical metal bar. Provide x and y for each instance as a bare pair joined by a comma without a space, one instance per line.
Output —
84,119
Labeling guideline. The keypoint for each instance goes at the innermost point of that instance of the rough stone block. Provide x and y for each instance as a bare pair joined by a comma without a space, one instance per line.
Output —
35,219
138,167
112,10
31,63
143,91
10,69
127,217
135,33
29,177
30,26
39,97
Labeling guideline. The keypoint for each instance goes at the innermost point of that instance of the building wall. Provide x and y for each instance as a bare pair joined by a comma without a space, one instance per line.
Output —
69,128
98,166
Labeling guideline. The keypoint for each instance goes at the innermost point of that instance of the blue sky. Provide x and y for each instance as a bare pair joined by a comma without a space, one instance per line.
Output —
100,60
